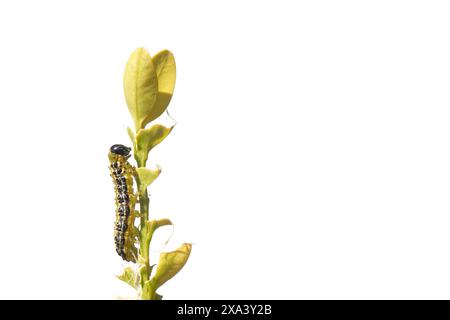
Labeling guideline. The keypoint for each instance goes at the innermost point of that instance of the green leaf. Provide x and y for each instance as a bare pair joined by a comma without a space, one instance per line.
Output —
165,67
170,263
146,177
131,251
151,226
147,234
147,139
161,223
140,84
134,232
130,277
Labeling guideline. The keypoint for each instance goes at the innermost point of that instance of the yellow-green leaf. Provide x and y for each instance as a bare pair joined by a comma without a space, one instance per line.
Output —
130,277
170,263
147,231
147,139
165,67
162,222
147,176
140,85
150,227
134,232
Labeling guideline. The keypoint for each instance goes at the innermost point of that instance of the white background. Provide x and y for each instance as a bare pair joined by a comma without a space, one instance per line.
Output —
311,158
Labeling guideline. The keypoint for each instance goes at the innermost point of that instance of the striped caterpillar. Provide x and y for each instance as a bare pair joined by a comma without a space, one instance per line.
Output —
122,174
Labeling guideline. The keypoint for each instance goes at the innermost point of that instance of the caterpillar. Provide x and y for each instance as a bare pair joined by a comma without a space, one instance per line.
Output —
122,174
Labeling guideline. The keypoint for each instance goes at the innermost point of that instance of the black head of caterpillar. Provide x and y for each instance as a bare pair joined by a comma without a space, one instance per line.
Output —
122,174
120,150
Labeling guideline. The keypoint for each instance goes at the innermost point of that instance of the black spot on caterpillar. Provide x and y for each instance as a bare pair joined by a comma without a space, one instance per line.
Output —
122,174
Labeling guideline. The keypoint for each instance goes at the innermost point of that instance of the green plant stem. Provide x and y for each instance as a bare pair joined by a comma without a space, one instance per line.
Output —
144,238
145,234
143,205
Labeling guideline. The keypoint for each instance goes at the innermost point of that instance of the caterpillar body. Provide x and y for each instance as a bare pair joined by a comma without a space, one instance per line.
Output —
122,174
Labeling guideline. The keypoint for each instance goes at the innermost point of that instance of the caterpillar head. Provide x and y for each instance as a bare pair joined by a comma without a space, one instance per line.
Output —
120,149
